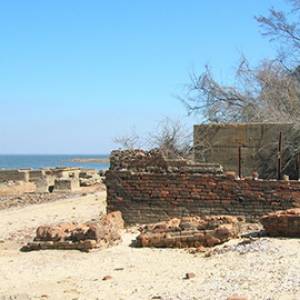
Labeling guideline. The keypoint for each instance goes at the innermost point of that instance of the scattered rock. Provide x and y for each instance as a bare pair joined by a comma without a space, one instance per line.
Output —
236,297
189,275
199,249
107,277
244,247
89,178
15,297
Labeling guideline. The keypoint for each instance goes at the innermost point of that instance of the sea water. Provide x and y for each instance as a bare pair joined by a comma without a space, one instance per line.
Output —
20,161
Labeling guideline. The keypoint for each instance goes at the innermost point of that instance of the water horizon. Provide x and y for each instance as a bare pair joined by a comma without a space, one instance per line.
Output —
40,161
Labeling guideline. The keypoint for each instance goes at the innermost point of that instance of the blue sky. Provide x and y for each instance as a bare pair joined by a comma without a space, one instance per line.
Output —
75,74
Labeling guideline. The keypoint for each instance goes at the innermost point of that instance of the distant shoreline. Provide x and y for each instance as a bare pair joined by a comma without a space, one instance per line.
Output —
53,160
89,160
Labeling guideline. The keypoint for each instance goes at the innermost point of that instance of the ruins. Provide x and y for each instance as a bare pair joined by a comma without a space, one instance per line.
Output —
257,141
29,186
48,180
189,232
84,237
282,223
148,188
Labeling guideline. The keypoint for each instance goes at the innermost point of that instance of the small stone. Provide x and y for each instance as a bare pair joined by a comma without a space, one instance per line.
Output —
200,249
189,275
107,277
236,297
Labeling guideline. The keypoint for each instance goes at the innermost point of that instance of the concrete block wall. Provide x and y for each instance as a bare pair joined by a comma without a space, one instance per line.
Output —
66,184
218,143
14,175
36,174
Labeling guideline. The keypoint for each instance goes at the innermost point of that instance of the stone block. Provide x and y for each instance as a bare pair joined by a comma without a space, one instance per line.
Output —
66,184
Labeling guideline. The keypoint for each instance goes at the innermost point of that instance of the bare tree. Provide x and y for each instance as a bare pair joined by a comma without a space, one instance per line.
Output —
266,93
172,138
128,141
283,28
269,92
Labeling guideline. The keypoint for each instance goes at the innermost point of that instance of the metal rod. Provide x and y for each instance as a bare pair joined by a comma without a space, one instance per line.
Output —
298,165
279,157
240,161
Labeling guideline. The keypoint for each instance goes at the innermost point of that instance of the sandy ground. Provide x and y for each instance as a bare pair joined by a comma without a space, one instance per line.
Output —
264,269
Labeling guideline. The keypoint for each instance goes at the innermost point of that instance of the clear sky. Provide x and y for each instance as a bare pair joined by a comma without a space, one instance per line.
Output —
74,74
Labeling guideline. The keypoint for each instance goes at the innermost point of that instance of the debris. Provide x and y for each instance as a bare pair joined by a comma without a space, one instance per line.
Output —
285,223
236,297
84,237
189,232
189,275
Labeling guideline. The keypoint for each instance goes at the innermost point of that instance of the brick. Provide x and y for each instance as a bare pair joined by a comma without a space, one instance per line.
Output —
159,194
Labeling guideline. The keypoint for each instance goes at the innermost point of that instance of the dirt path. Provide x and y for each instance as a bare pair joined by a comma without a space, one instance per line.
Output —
267,269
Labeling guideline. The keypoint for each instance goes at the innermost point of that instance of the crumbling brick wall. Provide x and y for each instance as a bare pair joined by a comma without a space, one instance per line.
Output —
146,195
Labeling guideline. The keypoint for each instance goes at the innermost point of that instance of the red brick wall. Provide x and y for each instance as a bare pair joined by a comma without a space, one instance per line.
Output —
145,197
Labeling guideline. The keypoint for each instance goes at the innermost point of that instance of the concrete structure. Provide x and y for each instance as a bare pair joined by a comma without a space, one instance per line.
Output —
14,175
219,143
47,180
63,172
36,174
66,184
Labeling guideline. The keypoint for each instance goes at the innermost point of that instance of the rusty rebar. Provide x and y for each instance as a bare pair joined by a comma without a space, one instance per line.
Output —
298,165
279,157
240,161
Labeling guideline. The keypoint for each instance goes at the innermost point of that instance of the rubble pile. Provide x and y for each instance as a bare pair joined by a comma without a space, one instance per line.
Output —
244,247
84,237
189,232
89,178
138,160
284,223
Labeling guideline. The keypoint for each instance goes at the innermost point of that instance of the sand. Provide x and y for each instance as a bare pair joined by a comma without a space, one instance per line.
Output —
264,269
